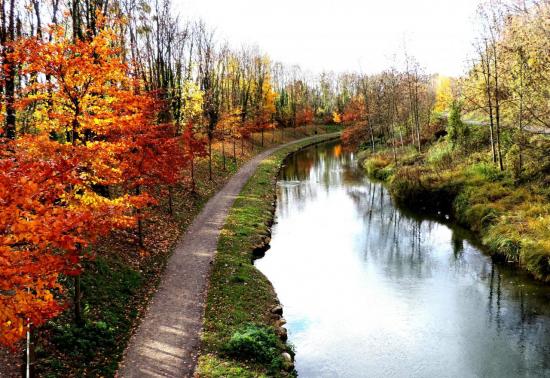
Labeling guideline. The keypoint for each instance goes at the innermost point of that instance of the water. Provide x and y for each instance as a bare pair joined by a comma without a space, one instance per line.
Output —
371,291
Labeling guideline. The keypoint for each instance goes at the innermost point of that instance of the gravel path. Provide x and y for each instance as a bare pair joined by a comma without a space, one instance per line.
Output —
166,343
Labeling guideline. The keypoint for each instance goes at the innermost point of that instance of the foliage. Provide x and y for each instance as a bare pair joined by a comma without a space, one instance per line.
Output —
457,132
440,155
443,94
254,343
336,118
89,135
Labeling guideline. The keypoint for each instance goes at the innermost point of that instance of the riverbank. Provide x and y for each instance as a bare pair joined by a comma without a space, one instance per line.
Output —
242,334
511,215
118,285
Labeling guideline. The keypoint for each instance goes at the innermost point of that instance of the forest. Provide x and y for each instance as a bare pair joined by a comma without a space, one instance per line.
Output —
119,117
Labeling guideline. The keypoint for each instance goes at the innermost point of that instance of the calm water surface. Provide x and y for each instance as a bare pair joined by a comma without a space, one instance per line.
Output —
370,291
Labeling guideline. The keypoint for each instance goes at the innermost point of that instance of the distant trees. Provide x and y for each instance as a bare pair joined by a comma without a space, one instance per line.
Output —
505,93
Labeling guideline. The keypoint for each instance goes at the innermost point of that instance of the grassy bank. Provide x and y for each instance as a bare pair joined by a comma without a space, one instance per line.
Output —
510,214
119,283
240,332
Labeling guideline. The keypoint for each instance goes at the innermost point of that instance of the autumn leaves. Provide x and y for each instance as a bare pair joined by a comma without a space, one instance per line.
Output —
91,147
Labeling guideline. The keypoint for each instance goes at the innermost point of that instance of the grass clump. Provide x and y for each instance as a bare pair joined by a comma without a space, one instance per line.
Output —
440,155
379,167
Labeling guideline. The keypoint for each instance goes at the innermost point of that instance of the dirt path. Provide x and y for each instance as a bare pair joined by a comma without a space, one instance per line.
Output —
167,341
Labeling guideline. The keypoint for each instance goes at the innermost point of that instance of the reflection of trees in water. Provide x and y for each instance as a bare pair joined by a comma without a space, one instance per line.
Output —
521,311
392,238
406,247
307,172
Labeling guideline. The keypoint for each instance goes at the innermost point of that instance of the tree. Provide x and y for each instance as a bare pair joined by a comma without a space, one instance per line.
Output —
90,126
193,147
444,96
9,66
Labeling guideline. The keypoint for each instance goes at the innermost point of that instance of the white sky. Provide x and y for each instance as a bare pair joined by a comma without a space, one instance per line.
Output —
345,35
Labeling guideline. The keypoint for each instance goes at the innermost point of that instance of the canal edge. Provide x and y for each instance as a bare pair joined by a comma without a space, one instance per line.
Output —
233,269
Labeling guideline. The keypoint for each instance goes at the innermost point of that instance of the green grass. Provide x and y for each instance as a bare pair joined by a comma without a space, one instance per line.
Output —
240,297
94,348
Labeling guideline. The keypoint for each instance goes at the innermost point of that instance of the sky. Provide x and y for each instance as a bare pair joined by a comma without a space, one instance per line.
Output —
345,35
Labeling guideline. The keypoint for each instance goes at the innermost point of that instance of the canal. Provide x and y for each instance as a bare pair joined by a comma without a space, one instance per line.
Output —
370,290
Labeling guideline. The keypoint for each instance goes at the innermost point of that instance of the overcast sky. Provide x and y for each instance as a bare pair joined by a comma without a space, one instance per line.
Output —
345,35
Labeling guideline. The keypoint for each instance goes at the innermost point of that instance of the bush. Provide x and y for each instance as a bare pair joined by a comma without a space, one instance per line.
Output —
83,342
255,343
513,161
458,132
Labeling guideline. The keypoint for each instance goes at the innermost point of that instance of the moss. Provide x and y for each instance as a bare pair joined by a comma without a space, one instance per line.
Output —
217,367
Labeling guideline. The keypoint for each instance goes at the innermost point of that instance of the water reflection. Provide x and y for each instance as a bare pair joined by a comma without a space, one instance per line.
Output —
370,290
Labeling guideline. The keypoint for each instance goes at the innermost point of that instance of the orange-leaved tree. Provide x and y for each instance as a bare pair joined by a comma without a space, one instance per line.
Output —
89,126
193,146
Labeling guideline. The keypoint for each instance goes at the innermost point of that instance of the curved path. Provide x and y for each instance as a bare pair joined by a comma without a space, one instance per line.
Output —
166,343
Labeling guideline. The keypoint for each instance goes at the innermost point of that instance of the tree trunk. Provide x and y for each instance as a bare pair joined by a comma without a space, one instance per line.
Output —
223,153
497,107
487,76
192,175
371,137
210,158
79,320
520,120
170,200
139,220
10,127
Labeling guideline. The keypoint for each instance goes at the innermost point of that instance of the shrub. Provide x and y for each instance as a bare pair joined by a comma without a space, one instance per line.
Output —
379,167
513,161
254,343
407,188
458,132
83,342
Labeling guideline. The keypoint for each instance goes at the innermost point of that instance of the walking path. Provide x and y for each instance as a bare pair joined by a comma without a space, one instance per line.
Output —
166,343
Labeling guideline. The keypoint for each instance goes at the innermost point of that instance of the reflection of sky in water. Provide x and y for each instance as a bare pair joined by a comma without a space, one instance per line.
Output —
369,291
